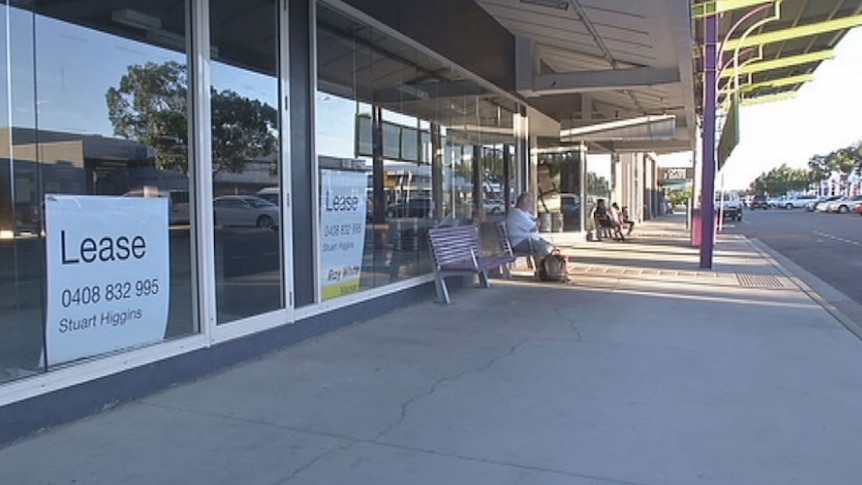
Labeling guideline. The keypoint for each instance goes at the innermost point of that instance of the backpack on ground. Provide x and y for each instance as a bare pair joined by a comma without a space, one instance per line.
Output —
554,268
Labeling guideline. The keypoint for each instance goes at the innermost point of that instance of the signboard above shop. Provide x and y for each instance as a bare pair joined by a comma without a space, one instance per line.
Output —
675,174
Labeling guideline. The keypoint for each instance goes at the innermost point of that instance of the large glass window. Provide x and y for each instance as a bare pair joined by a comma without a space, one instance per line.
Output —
559,197
94,103
409,140
247,208
599,181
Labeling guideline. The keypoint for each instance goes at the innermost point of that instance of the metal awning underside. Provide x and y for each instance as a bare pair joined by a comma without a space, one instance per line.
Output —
585,62
794,57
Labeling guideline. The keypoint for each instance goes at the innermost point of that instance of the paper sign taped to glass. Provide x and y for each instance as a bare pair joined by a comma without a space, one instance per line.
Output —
342,226
108,265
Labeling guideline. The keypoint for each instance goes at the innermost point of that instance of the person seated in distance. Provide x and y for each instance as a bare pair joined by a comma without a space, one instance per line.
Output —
607,220
523,229
626,220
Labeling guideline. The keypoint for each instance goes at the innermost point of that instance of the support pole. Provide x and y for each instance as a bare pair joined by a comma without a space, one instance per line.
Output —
437,172
707,210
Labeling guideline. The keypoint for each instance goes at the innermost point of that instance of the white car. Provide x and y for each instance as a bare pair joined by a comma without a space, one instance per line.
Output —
823,204
844,204
799,201
246,210
178,202
775,202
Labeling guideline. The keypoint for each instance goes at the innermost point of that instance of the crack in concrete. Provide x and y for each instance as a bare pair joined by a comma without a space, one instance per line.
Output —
405,406
315,460
602,296
572,323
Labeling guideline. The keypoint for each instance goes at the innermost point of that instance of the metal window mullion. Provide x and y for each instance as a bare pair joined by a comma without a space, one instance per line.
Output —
315,165
285,157
200,166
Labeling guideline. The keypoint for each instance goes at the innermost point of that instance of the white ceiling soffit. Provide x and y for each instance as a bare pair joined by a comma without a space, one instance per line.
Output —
629,58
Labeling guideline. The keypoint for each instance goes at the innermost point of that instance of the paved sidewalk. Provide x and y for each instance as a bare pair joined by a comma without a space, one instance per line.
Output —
643,370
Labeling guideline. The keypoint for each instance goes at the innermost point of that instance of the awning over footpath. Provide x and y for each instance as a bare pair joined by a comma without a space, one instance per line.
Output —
770,49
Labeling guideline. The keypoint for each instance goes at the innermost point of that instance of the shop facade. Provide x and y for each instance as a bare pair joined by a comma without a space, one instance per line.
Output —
186,184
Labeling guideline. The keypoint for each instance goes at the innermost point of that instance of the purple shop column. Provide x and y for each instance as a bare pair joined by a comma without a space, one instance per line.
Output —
707,186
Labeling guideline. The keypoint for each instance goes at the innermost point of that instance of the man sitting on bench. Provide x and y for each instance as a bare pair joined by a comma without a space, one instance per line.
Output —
523,229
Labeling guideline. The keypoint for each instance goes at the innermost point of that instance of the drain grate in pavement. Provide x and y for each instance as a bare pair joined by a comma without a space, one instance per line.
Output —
751,280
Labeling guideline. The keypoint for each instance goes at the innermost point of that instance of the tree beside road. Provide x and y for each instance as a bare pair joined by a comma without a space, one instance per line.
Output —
841,164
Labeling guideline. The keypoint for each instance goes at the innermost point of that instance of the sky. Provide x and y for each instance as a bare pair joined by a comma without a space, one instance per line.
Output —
825,116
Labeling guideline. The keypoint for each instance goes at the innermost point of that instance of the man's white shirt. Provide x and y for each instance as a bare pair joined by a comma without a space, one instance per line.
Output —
521,226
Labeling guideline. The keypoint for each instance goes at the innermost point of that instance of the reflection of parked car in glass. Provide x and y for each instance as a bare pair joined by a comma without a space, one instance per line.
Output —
271,194
245,210
570,205
178,202
494,206
411,208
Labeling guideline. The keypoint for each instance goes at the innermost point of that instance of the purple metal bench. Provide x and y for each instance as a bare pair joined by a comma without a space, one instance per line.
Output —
506,247
457,251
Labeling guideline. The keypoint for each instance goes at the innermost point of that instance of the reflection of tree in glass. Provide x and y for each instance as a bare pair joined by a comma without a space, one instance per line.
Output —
598,185
150,107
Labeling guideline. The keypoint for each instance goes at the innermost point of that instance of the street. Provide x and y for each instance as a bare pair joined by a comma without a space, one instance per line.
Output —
827,245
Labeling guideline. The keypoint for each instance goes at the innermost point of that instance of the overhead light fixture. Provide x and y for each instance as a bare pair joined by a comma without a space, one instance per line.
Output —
558,4
335,89
412,91
136,19
174,41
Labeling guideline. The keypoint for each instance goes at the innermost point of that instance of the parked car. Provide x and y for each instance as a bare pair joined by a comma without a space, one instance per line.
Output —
178,202
730,206
798,201
776,201
245,210
759,202
811,205
821,206
844,205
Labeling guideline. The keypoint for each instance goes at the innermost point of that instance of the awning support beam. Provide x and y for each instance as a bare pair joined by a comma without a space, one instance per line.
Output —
780,63
602,80
701,10
774,83
809,30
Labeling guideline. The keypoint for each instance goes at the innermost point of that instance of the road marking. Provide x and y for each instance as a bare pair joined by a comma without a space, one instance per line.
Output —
836,238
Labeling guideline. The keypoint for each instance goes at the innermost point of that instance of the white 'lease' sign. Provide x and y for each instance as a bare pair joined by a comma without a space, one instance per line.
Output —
342,221
108,274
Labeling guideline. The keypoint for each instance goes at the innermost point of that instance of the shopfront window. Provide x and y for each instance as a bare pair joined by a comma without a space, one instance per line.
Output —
410,141
599,180
560,189
247,208
95,103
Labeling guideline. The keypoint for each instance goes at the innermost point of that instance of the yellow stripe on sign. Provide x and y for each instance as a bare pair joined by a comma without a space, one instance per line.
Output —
340,289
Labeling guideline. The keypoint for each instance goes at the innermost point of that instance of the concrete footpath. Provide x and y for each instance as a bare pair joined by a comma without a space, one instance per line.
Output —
642,370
